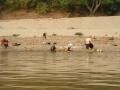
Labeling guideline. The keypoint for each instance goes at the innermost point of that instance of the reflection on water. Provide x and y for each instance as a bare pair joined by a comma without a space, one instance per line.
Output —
59,71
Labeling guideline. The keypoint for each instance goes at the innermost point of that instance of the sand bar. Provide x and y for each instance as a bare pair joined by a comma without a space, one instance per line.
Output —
98,26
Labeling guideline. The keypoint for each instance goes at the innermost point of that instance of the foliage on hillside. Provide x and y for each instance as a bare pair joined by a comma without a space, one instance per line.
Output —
109,7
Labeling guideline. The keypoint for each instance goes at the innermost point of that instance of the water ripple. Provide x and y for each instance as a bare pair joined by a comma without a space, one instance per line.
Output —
59,71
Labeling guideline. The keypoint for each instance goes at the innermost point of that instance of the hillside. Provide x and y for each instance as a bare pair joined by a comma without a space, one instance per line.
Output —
21,9
23,14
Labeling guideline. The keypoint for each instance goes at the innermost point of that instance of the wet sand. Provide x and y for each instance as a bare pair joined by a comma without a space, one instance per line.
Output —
40,44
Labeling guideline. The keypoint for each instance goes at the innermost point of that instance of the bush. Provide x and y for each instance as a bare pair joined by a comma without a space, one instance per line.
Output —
28,4
2,2
111,9
16,35
79,34
12,4
42,7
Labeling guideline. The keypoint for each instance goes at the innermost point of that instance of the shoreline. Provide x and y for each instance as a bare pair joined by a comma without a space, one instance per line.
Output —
28,32
39,44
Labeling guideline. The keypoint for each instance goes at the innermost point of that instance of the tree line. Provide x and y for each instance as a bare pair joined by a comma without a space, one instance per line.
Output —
109,7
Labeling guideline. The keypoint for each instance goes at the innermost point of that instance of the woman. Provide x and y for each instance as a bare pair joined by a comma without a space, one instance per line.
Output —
88,43
4,42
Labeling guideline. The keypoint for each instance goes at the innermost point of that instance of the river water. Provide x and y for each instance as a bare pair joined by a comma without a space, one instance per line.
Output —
59,71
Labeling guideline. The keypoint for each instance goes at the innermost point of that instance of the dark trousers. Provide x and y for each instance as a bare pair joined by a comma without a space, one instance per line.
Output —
5,45
53,49
90,45
69,49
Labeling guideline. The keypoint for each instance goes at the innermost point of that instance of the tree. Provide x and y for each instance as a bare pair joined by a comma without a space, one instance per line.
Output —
28,4
12,4
111,7
93,5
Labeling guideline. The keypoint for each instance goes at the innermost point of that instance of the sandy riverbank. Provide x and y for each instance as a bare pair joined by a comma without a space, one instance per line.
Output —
30,31
98,26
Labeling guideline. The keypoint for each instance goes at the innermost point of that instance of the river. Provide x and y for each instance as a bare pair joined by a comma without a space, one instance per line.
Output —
59,71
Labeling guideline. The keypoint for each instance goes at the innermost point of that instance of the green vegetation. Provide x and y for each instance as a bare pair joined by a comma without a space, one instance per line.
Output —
16,35
109,7
79,33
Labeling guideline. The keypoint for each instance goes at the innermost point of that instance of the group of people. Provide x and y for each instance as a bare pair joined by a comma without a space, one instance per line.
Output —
5,43
69,46
88,43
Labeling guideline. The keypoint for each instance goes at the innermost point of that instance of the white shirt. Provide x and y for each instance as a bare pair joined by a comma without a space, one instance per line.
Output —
70,45
88,40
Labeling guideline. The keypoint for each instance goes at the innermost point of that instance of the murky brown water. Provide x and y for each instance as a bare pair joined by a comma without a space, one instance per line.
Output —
59,71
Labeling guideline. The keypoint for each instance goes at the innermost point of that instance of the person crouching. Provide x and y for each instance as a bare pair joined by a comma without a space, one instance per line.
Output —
69,46
89,44
53,47
4,43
